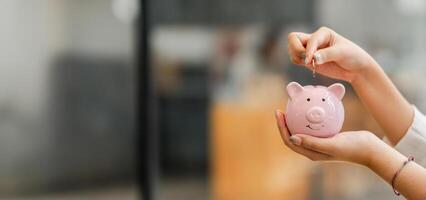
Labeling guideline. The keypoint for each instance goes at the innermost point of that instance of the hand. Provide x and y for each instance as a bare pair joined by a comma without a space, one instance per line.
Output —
339,58
335,56
354,146
361,147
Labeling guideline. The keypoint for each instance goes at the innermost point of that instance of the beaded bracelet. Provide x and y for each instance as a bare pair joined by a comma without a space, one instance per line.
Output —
411,158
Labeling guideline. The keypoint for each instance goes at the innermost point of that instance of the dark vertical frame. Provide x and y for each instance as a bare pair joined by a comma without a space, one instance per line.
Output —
147,115
177,12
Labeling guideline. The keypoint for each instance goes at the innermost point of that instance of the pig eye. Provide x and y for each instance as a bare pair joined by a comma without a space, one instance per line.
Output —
323,99
308,99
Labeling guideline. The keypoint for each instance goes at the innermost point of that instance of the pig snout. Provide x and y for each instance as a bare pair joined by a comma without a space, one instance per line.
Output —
315,115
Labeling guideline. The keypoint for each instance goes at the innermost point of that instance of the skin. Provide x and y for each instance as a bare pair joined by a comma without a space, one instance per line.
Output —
339,58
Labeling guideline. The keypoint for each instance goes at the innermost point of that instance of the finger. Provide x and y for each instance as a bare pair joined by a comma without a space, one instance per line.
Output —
323,145
296,57
285,135
312,155
327,55
296,49
303,37
334,71
321,37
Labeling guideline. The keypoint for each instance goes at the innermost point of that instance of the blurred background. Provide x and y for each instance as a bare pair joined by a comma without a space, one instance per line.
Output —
67,99
221,69
68,89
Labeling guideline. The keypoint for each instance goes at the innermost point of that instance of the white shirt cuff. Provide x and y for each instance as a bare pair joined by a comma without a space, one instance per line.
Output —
414,141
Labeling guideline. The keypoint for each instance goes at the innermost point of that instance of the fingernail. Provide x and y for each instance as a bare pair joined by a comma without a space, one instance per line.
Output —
318,58
296,140
303,56
306,61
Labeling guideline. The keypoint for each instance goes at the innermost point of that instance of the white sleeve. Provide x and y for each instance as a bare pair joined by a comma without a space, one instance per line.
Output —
414,141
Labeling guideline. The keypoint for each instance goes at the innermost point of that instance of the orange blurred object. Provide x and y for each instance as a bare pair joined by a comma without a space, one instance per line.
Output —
249,160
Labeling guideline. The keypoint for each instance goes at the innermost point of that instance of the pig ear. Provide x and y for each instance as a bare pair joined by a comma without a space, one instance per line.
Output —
337,89
293,89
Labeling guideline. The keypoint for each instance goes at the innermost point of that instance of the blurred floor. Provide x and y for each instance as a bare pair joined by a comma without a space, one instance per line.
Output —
122,192
184,188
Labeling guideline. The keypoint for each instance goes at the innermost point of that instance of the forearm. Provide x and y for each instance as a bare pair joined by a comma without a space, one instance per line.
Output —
390,109
411,182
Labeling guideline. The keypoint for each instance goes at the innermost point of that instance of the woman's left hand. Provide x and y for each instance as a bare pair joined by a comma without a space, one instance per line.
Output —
354,146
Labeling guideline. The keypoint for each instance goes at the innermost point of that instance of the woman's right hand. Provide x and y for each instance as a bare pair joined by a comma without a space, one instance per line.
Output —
335,56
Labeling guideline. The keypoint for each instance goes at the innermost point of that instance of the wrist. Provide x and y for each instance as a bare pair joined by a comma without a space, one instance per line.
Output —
376,147
385,161
370,71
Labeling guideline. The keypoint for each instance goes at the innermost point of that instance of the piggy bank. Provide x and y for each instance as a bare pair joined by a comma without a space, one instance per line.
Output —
315,110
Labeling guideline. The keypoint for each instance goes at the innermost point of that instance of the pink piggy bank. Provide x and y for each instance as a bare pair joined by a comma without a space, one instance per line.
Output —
315,110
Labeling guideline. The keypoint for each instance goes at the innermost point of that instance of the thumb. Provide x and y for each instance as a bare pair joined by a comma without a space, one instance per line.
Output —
327,55
322,145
